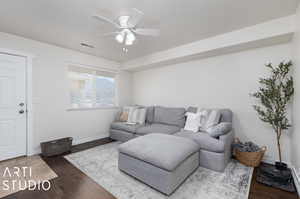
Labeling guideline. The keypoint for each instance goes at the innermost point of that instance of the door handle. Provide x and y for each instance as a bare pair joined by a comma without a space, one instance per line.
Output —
21,111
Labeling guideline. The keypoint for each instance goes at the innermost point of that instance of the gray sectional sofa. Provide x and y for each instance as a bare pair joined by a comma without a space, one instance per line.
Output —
214,153
158,120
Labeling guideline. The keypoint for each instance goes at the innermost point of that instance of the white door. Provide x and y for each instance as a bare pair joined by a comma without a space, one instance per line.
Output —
12,106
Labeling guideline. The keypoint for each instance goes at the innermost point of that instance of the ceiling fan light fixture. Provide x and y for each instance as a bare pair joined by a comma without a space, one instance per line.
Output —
130,36
128,42
127,32
119,38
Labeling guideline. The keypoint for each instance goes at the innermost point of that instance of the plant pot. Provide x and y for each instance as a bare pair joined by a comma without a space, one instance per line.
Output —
269,175
280,166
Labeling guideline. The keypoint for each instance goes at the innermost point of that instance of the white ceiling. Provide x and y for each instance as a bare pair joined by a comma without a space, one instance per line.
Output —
67,23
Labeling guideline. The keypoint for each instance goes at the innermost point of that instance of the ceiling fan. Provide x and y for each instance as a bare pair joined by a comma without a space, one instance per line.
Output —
127,26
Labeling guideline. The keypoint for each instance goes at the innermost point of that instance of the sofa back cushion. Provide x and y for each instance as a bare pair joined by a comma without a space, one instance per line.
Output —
170,116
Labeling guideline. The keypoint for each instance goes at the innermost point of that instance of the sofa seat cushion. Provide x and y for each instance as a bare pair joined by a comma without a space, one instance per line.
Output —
161,150
157,128
205,141
131,128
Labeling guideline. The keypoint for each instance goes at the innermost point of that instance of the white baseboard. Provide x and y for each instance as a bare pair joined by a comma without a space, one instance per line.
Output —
296,180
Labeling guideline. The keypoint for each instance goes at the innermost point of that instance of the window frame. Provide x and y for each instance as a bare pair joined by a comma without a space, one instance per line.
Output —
95,70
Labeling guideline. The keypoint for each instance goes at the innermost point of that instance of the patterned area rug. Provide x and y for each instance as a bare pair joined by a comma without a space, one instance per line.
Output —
101,164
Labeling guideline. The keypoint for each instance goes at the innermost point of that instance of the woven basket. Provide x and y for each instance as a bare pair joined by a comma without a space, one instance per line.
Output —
251,159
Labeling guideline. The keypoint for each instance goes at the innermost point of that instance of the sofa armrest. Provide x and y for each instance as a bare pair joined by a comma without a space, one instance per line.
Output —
227,139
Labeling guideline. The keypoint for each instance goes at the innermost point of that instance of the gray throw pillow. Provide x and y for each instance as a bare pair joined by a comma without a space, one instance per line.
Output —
192,109
220,129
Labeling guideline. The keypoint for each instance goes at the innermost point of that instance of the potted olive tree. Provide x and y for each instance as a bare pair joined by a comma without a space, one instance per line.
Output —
275,94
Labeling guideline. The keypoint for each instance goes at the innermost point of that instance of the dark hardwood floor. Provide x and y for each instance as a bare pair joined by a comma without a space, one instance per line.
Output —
71,183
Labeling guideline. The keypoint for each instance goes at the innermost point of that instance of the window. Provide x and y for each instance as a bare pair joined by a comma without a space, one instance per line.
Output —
90,88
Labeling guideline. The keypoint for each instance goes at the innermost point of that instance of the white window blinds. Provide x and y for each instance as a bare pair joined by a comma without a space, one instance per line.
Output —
91,88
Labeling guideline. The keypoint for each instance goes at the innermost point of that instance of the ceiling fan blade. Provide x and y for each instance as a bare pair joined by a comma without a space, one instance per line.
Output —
109,34
135,18
147,31
105,19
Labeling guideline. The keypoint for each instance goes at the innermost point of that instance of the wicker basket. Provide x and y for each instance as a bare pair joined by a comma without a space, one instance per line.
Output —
251,159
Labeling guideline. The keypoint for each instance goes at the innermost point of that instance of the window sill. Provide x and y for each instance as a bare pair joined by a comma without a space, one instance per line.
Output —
94,108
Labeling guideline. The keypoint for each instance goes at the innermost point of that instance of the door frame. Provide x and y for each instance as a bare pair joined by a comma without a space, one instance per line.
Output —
29,116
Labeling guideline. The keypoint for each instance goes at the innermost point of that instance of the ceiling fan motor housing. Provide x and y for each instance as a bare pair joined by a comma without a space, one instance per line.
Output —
124,21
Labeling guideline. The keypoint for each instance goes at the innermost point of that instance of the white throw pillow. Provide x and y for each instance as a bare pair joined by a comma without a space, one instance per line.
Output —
203,118
141,115
130,111
209,118
137,116
213,118
192,122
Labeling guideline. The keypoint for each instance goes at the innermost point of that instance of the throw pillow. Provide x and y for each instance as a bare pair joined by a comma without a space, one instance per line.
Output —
192,122
213,118
141,115
204,117
137,116
192,109
220,129
209,118
131,115
124,117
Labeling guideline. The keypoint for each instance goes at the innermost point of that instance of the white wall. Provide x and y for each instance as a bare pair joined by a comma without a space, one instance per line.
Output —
296,122
51,94
223,81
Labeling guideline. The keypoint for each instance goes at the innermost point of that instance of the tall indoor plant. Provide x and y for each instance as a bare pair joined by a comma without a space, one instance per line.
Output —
275,94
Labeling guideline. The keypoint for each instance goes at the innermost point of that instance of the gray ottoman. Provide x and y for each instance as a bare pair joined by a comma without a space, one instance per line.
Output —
159,160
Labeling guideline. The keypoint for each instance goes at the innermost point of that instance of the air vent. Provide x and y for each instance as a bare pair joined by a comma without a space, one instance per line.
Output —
87,45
